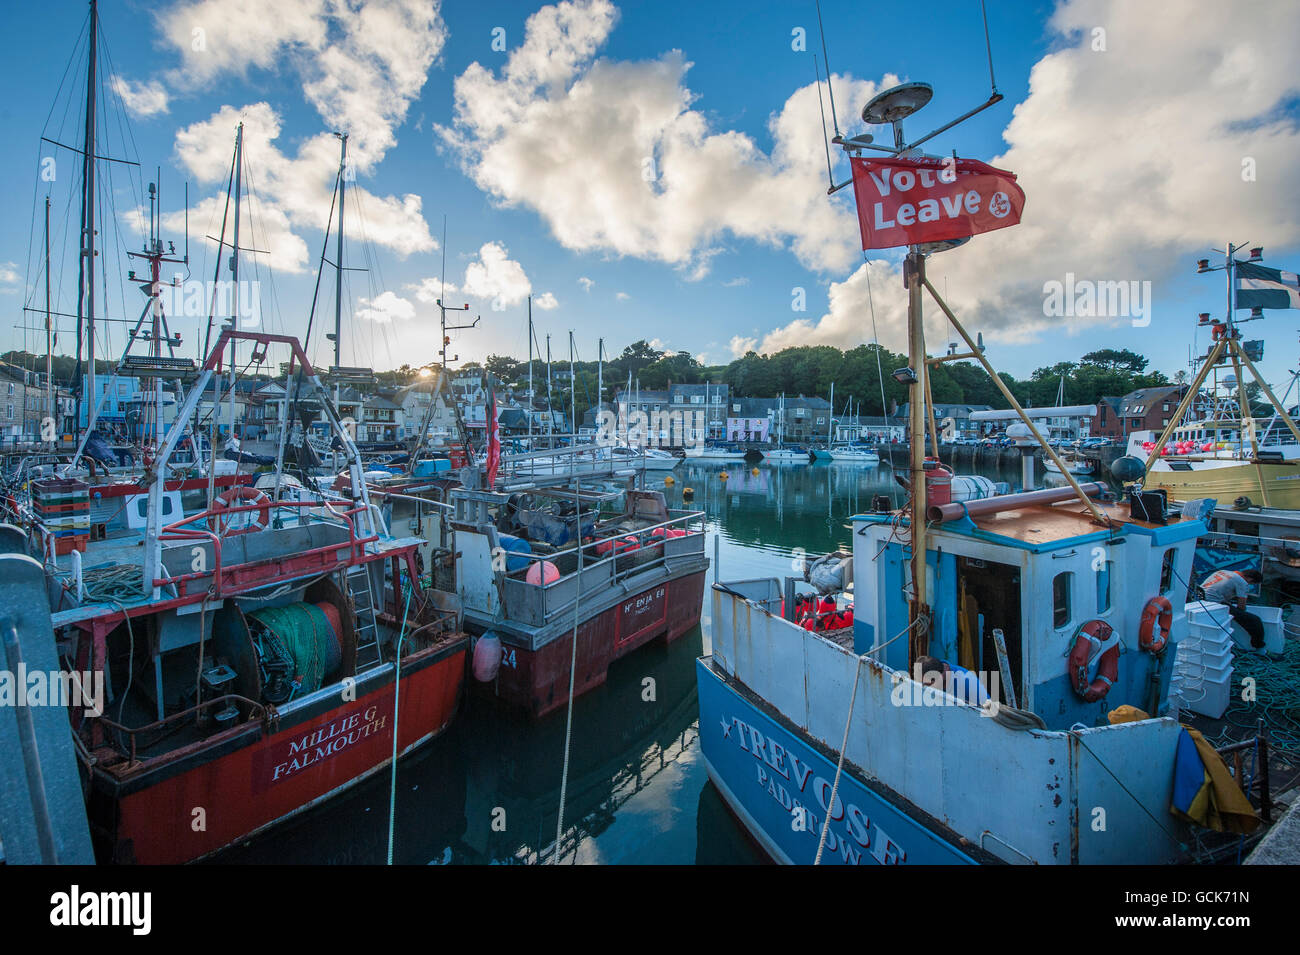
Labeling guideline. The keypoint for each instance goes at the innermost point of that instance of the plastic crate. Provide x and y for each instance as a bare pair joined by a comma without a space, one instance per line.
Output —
66,545
1208,697
1204,656
1208,621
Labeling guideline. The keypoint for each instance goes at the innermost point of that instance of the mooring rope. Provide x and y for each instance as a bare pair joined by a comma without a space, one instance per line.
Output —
573,666
397,695
839,767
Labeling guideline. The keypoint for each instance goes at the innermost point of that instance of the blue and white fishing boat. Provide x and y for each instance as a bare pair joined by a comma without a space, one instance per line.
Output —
1002,692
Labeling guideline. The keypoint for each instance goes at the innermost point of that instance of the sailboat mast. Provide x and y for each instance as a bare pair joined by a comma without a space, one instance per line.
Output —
600,376
338,255
830,418
49,333
86,270
531,395
234,270
550,417
573,394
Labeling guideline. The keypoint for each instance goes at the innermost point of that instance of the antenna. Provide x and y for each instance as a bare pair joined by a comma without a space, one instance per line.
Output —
830,176
829,88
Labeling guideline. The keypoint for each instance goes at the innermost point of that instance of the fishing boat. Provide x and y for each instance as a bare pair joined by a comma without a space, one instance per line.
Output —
1004,673
1214,446
552,565
253,647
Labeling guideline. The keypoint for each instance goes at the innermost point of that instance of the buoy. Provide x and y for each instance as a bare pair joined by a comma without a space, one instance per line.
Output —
688,492
723,475
543,572
487,657
668,481
754,471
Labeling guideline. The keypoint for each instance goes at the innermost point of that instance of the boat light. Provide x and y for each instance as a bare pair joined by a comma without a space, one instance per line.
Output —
905,376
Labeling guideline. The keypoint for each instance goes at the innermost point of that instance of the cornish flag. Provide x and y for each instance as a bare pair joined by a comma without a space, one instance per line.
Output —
1261,287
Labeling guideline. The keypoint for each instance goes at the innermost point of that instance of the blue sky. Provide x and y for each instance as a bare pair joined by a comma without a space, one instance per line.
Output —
1130,157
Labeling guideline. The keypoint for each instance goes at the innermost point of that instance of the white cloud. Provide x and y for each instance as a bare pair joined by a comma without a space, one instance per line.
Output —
360,64
296,191
430,290
546,302
736,282
622,296
613,158
141,100
9,276
494,275
740,344
1119,185
586,283
386,308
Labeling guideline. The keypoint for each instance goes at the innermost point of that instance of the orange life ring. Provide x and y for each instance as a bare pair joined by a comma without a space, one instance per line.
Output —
1094,632
239,496
1157,608
1219,331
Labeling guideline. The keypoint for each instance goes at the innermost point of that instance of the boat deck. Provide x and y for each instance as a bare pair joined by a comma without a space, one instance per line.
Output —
1050,523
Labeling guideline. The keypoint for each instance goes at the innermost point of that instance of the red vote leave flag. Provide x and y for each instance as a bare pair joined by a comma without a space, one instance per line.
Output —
907,201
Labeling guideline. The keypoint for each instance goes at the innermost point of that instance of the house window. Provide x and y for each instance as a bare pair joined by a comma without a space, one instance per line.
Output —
697,399
1061,599
1103,586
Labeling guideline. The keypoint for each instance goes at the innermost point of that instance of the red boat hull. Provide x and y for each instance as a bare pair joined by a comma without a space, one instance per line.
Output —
220,791
538,680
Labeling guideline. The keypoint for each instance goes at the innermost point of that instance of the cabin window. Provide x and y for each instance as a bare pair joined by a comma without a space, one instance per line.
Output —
1103,586
1167,572
1061,599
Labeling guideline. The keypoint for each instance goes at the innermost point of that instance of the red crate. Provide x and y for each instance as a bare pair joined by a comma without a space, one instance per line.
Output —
66,545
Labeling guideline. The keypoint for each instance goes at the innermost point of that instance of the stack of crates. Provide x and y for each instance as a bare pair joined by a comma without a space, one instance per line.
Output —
63,507
1202,680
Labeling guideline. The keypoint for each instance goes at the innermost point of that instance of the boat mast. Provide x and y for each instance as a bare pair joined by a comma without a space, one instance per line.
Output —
338,256
86,267
531,396
234,275
600,377
550,417
830,418
573,394
49,333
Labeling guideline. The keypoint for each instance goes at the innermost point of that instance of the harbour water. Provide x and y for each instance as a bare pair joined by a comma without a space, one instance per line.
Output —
488,790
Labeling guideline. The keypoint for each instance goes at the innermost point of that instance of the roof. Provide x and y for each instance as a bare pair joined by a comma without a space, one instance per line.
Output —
751,407
1143,398
688,391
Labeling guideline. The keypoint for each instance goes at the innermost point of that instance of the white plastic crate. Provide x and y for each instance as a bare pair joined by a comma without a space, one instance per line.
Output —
1207,620
1203,654
1208,697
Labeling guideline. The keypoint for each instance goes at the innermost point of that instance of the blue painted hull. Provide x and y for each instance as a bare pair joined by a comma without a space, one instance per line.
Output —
767,772
821,454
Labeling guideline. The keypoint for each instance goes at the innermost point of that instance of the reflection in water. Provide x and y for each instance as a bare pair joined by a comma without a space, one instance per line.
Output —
488,790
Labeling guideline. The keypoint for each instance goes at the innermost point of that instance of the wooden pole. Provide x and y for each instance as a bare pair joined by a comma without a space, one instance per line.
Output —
1097,514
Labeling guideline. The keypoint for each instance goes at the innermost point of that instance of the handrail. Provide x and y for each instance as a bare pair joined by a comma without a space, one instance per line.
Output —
261,710
179,531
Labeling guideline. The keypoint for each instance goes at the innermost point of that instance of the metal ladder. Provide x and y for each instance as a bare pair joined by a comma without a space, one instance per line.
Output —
366,623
